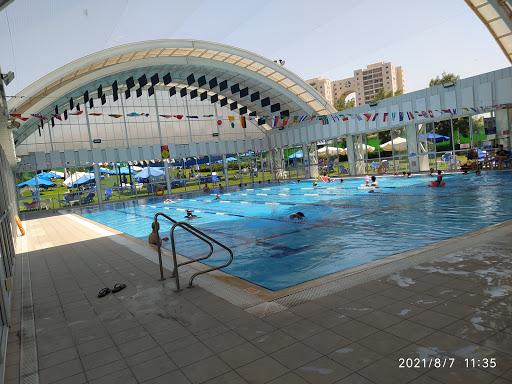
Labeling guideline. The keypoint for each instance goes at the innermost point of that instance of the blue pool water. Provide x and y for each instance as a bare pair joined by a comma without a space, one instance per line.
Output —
344,227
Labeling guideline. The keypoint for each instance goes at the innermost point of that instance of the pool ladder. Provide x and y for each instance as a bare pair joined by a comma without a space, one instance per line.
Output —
197,233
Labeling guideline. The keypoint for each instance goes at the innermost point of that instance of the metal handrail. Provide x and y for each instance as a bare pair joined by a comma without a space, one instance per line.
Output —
197,233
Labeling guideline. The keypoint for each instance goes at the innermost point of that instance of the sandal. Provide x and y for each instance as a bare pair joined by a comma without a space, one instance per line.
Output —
118,287
104,292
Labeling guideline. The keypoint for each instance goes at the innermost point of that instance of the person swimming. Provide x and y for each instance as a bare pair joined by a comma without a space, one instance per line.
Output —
315,184
341,180
153,236
190,215
375,183
217,197
298,216
169,201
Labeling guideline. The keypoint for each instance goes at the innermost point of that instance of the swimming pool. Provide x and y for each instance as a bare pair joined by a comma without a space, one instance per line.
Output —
344,227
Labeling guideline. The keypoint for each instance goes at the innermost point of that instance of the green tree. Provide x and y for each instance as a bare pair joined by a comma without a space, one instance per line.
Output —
342,104
444,78
382,94
460,125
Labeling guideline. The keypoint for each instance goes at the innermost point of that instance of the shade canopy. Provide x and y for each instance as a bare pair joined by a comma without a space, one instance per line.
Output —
435,138
74,177
399,144
149,171
230,159
50,175
297,155
41,181
85,179
125,171
108,171
364,147
333,151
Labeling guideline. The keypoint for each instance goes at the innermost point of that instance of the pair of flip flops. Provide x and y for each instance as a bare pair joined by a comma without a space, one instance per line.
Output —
105,291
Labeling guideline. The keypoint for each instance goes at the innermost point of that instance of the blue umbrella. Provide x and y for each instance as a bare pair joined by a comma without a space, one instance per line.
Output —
41,181
125,171
107,171
48,175
230,159
437,138
85,179
296,155
153,171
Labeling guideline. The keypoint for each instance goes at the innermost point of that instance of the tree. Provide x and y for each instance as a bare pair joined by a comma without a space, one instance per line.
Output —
342,104
460,125
382,94
444,78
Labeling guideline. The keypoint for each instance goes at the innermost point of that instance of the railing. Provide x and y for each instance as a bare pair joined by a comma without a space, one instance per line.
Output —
197,233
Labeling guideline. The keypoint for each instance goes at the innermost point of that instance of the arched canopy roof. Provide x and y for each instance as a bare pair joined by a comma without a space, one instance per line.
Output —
250,79
497,17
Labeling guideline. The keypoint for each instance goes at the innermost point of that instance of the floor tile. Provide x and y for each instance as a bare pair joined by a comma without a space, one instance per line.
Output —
354,330
296,355
273,341
326,342
383,342
241,355
206,369
323,371
386,371
354,356
153,368
224,341
262,370
190,354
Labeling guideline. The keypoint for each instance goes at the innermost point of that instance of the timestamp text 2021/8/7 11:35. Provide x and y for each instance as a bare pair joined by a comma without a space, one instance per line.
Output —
445,363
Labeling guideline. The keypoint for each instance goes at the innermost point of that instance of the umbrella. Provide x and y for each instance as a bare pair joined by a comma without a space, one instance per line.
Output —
41,181
399,143
368,148
108,171
296,155
146,172
436,138
74,177
230,159
48,175
138,169
125,171
58,174
332,151
85,179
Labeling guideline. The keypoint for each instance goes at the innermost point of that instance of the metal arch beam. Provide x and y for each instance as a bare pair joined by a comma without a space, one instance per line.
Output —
63,93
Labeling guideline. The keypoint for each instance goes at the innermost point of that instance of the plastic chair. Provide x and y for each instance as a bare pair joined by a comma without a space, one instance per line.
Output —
342,169
386,163
108,194
374,165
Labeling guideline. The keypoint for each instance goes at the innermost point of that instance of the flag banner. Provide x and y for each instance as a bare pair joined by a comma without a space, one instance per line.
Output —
207,115
335,118
57,116
116,116
39,116
18,116
358,117
465,109
375,116
179,117
410,116
368,116
275,120
295,118
95,114
285,120
345,118
166,116
232,121
476,110
447,111
243,122
324,119
133,114
430,113
219,121
400,116
393,115
76,113
454,111
192,117
384,115
312,117
302,118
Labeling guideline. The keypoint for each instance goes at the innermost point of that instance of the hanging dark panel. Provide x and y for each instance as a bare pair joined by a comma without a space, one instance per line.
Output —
127,94
86,96
115,96
193,94
213,83
261,122
142,81
130,83
223,85
100,92
243,110
233,105
167,79
201,81
223,102
244,92
275,107
172,91
265,102
91,103
114,87
103,99
214,98
39,128
53,122
255,96
183,92
235,88
154,79
78,107
65,114
191,79
204,95
71,104
253,113
285,113
56,110
139,92
151,91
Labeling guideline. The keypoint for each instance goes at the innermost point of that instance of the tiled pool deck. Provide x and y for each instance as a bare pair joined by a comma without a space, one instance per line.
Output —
456,306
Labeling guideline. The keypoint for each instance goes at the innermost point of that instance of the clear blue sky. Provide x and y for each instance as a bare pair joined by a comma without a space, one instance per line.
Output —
325,38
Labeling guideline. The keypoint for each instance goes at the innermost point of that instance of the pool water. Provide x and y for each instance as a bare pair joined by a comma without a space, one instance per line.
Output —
345,226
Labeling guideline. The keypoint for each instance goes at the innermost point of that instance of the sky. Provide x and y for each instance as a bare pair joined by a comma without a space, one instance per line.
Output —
322,38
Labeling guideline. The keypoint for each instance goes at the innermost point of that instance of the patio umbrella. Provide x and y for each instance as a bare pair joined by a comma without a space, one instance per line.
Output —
296,155
333,151
85,179
74,177
41,181
108,171
48,175
437,138
399,143
146,172
57,174
125,171
230,159
369,148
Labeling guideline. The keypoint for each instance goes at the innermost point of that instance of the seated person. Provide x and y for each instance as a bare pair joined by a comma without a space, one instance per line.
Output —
298,216
375,183
221,187
190,215
395,174
501,156
153,236
471,163
206,188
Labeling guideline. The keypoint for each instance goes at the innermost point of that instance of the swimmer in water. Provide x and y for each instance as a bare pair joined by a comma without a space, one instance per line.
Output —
190,215
169,201
315,184
341,180
217,197
298,216
153,236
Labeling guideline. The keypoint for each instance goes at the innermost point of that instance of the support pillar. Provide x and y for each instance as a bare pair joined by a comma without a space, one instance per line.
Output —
167,177
503,127
416,163
351,155
97,178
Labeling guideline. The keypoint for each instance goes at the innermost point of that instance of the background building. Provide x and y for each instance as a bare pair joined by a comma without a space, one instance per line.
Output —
365,83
